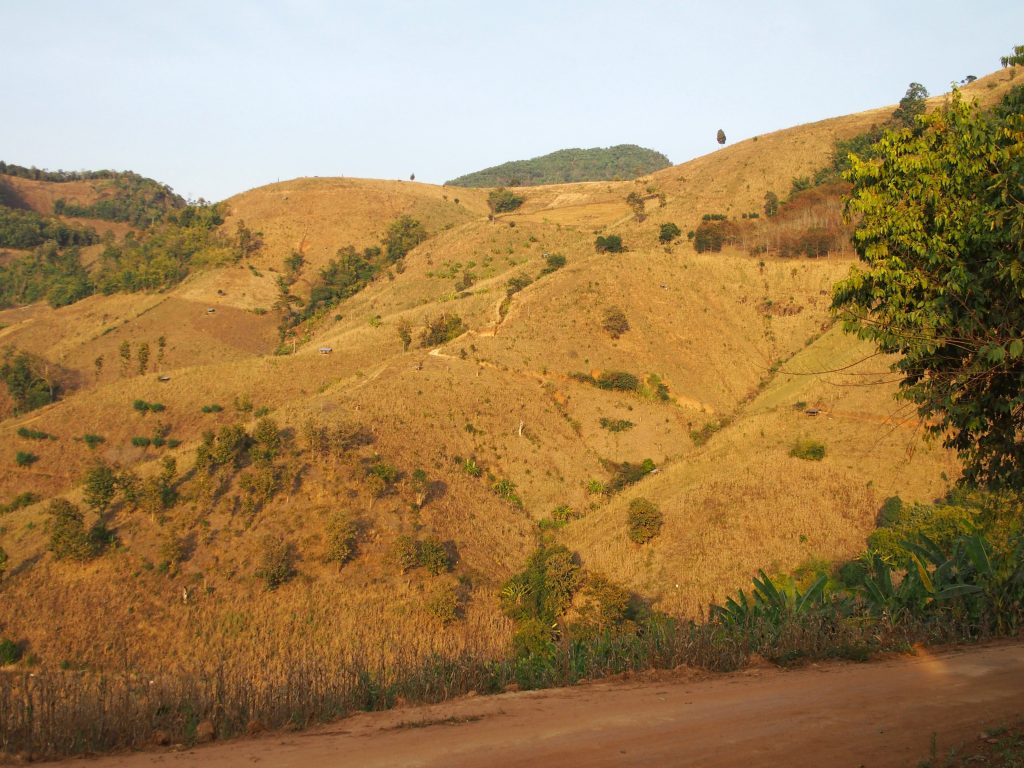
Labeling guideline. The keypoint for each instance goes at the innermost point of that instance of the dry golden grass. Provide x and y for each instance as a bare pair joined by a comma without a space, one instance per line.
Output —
501,394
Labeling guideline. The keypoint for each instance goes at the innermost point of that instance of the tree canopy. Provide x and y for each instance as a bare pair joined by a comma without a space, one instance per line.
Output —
625,161
940,229
911,105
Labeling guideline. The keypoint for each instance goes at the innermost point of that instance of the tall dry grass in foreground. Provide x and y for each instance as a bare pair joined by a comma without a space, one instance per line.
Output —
49,713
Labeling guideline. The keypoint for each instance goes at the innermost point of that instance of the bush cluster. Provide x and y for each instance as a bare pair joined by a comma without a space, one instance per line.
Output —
643,521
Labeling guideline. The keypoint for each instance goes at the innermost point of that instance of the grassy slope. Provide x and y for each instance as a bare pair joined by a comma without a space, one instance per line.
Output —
500,393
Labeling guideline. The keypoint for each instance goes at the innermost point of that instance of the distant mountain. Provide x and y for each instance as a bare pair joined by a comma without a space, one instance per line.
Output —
625,161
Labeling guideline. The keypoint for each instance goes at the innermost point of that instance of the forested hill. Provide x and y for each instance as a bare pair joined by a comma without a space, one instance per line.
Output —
625,161
121,196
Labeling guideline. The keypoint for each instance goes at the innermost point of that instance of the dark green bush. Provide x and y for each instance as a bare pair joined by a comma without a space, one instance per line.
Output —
34,434
609,244
29,388
502,200
441,330
433,556
669,232
618,380
643,521
19,501
810,450
517,283
341,539
69,537
25,458
627,473
405,553
545,589
552,263
92,440
276,562
506,489
615,322
616,425
403,234
10,652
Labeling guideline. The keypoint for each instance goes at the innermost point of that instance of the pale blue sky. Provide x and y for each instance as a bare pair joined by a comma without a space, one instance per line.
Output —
214,97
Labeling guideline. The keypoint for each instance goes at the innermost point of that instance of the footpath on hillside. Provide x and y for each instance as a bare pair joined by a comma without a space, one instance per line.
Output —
878,714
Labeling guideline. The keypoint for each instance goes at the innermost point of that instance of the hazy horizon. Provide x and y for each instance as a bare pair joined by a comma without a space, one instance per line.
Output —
217,100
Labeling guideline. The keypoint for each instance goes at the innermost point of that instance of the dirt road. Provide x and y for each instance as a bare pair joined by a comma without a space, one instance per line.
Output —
877,714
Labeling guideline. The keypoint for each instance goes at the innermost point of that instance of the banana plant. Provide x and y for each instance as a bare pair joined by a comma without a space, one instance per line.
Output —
771,601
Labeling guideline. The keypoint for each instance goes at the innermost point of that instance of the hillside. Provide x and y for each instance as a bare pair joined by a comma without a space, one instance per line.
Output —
355,485
624,161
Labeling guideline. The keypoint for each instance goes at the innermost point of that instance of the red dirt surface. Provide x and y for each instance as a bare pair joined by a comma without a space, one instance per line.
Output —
837,714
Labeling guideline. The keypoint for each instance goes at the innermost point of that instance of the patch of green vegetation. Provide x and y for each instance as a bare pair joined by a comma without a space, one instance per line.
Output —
34,434
506,489
21,500
810,450
127,197
625,161
643,520
27,229
552,263
92,440
442,329
608,244
560,517
25,458
145,407
616,425
29,380
502,200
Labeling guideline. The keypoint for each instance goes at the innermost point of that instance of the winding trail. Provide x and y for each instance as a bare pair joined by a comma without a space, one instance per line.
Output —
873,715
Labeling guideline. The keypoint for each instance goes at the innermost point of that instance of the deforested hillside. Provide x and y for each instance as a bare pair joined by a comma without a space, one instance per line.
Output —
342,424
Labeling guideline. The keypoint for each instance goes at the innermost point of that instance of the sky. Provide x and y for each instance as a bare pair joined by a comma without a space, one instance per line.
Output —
219,96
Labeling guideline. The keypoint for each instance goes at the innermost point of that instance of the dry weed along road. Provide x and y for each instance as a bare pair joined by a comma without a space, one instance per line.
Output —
837,714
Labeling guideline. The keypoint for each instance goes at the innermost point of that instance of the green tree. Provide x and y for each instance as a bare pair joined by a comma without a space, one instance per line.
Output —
609,244
403,234
26,385
142,355
771,204
276,561
433,556
615,322
68,535
100,487
940,234
502,200
341,539
643,520
669,232
405,553
1015,59
911,105
267,440
125,353
405,333
636,202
